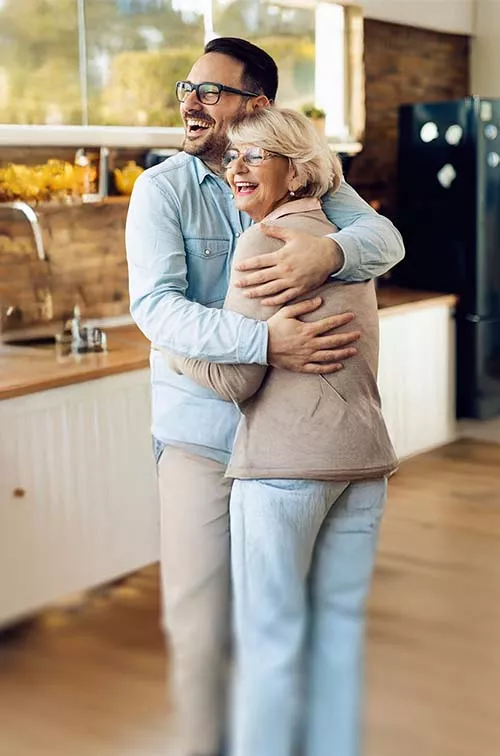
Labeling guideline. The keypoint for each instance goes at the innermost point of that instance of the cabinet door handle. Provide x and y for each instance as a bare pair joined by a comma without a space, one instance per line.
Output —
19,493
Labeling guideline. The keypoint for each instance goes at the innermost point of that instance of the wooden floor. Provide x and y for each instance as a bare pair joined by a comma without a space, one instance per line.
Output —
89,681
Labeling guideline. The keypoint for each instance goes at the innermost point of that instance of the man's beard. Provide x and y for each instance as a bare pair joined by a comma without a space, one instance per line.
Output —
210,151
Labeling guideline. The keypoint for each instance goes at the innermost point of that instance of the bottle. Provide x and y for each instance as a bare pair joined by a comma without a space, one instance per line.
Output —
103,181
88,160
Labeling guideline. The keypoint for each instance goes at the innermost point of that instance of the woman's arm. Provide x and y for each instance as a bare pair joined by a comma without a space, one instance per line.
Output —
234,383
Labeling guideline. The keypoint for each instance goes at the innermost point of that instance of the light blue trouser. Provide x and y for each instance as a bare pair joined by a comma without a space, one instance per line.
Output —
302,559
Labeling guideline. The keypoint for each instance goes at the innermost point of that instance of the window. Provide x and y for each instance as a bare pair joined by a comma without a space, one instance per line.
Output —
39,65
114,62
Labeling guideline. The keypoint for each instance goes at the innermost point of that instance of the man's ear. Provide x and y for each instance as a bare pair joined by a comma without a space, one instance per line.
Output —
255,103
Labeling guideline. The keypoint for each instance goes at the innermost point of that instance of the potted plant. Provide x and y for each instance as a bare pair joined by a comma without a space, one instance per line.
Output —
317,116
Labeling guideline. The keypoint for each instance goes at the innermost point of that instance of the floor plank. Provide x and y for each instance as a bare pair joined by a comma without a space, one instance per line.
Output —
433,665
88,680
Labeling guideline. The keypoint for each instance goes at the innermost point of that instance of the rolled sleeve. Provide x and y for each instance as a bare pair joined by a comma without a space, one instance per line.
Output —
252,341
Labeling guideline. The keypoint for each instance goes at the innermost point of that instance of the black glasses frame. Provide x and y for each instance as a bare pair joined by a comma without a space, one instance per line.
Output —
220,88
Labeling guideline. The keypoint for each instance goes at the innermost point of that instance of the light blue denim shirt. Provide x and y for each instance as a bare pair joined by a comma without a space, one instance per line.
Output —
181,231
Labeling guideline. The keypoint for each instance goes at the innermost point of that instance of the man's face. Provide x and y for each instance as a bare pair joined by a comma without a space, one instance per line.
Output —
206,125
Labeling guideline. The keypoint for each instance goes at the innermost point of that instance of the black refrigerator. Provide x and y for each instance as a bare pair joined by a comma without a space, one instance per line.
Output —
449,215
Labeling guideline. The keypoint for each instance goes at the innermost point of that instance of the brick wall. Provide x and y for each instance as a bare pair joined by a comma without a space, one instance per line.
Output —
86,262
402,65
86,244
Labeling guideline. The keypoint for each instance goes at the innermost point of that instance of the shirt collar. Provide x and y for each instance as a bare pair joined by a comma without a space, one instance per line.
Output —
202,171
295,206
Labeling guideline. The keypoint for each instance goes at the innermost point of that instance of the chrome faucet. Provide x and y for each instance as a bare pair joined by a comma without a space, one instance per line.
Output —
77,338
32,218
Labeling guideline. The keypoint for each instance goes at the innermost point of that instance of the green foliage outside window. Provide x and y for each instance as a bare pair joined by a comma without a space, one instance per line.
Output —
136,50
141,87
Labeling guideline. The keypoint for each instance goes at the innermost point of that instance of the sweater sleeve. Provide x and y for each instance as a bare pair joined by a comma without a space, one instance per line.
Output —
235,383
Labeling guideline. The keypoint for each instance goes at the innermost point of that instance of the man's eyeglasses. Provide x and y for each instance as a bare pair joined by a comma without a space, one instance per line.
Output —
207,92
252,156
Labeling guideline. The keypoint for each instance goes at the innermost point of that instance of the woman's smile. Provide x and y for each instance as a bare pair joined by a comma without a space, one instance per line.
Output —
244,187
258,187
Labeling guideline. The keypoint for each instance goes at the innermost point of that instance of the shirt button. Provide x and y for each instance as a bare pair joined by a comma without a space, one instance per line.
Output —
207,252
237,234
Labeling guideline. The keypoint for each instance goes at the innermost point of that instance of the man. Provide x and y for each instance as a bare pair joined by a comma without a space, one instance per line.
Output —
181,232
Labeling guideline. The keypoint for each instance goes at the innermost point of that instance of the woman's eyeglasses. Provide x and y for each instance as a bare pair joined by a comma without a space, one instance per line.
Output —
252,156
207,92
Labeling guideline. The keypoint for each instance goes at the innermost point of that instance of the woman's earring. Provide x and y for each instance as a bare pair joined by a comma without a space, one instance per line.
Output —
292,193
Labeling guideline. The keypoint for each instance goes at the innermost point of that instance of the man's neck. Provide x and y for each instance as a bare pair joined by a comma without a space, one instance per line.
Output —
214,167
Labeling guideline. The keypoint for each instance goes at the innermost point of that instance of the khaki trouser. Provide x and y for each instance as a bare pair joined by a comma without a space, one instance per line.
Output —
195,584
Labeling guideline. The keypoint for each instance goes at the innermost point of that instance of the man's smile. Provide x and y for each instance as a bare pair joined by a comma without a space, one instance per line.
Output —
196,125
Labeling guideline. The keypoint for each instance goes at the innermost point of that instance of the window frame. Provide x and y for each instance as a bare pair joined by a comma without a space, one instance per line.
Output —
172,137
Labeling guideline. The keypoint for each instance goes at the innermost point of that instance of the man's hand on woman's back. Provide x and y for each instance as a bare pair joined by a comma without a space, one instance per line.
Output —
309,347
302,264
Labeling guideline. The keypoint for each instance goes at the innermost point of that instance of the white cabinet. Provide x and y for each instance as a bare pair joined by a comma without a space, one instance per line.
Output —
78,496
416,377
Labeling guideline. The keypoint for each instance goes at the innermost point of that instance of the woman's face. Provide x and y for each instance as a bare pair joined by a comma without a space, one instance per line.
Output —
260,180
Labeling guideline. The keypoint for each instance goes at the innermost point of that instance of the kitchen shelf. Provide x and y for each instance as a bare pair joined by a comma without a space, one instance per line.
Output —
113,200
148,137
138,137
122,199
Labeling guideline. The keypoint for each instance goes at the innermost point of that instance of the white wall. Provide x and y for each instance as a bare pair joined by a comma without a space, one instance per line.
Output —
455,16
485,57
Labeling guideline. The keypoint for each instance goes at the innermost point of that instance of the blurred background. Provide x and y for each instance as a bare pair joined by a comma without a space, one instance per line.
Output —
409,95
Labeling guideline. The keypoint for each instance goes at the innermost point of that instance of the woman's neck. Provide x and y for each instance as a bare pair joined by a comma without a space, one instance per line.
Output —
274,206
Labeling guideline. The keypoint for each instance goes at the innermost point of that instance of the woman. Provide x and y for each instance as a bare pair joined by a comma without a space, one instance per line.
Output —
310,462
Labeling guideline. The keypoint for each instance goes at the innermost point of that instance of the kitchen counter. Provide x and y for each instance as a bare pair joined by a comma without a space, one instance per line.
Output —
26,370
392,299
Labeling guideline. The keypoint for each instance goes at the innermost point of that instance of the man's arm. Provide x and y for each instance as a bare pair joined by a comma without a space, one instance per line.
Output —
366,246
371,244
239,382
158,283
233,382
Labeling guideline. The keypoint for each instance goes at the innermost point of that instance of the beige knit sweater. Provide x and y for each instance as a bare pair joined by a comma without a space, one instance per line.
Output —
295,425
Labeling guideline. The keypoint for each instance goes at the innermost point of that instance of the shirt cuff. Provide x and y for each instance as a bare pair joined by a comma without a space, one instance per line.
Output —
252,342
350,250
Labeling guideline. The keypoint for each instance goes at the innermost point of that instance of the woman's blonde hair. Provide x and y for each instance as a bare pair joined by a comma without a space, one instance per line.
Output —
289,133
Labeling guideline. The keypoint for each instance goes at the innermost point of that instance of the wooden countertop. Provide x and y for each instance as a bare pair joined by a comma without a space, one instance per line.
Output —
26,370
392,299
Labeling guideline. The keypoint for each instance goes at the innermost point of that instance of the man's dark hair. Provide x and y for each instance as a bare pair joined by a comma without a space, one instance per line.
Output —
260,72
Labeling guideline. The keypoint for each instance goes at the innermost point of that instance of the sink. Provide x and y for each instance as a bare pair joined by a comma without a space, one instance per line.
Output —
37,337
88,339
50,335
46,342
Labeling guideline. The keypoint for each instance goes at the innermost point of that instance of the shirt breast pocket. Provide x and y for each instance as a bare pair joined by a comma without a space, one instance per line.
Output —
207,270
